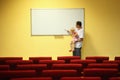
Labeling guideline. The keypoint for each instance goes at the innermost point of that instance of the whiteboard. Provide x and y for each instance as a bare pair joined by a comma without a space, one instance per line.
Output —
55,21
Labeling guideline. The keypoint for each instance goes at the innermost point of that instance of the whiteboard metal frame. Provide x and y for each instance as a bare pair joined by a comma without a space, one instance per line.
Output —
54,9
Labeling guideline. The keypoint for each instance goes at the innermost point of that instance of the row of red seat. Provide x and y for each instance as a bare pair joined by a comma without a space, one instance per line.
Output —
57,74
67,59
67,78
59,58
57,61
49,64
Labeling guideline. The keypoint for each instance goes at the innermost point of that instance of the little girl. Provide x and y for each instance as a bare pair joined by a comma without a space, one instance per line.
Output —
75,37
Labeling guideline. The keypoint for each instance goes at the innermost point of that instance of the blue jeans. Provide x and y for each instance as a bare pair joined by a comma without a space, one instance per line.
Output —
77,52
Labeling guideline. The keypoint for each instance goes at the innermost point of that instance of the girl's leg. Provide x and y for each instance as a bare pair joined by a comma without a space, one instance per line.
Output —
72,45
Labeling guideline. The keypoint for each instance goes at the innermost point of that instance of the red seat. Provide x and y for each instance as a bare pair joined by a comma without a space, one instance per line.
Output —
10,58
36,59
99,59
3,59
103,65
83,62
59,73
4,67
50,62
77,67
67,66
112,61
117,57
19,62
31,67
17,73
114,78
13,63
34,78
80,78
100,72
68,58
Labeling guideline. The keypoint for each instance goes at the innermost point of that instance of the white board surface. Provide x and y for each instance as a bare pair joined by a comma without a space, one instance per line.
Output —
55,21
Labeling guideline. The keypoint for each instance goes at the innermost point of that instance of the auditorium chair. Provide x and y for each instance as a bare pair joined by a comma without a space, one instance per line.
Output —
13,63
68,66
50,62
33,78
104,73
83,62
36,59
7,74
56,74
37,67
112,61
114,78
117,57
80,78
99,59
19,62
68,58
3,59
4,67
103,65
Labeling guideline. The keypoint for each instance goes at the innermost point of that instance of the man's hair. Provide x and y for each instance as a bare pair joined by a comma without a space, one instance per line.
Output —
79,23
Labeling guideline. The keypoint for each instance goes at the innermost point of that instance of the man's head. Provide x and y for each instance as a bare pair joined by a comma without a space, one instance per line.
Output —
78,24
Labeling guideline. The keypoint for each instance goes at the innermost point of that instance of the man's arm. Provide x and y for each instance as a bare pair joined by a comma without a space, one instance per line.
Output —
81,36
80,39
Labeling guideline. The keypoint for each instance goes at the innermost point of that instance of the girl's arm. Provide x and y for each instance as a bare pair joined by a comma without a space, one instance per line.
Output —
69,32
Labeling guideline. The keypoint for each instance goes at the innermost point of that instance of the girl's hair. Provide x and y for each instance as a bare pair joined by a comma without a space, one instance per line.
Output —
72,29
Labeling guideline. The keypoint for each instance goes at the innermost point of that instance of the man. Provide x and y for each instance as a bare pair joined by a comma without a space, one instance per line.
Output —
78,44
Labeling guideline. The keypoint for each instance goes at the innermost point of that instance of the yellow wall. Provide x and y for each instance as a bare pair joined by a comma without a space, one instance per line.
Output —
102,25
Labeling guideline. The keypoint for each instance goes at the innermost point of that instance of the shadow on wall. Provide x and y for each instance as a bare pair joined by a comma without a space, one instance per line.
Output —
88,48
59,37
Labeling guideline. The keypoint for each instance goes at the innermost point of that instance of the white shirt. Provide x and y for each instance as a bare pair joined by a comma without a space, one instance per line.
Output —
80,33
